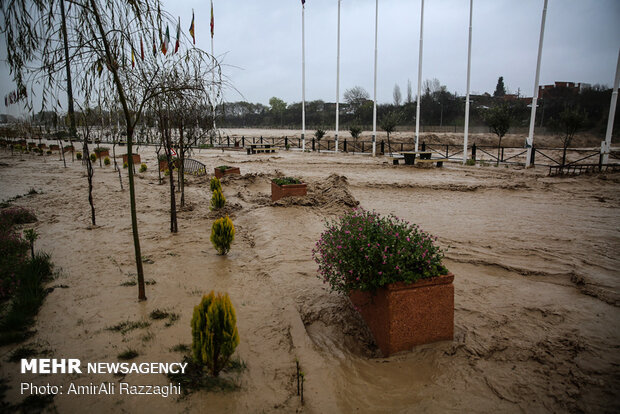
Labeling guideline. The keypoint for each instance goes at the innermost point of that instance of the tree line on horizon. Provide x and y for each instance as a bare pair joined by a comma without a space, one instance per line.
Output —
439,107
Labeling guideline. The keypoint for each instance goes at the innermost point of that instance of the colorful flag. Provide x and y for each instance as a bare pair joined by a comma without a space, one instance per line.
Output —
191,28
133,60
166,40
176,45
141,49
212,20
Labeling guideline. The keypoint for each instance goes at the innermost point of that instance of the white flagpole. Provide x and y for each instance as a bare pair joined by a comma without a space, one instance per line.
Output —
338,79
374,109
417,113
213,77
612,113
530,136
471,9
303,79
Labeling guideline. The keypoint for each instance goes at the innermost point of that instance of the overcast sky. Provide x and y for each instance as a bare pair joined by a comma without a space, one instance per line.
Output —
260,42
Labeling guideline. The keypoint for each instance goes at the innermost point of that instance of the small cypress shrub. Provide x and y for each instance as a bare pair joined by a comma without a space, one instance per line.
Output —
470,162
218,200
106,160
214,332
215,184
125,165
222,234
142,167
78,155
93,157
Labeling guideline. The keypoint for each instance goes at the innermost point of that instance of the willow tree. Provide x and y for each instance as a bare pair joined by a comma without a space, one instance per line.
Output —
115,47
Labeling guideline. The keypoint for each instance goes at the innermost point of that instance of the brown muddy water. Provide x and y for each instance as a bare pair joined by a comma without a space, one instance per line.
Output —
537,285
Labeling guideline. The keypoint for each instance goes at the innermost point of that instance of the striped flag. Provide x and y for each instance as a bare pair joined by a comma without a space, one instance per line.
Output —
141,49
176,45
166,41
212,20
133,60
191,29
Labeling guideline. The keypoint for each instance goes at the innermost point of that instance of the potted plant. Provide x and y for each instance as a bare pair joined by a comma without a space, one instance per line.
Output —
136,159
223,170
287,187
68,148
393,274
102,152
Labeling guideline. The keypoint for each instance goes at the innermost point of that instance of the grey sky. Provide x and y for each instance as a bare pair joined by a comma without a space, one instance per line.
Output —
260,41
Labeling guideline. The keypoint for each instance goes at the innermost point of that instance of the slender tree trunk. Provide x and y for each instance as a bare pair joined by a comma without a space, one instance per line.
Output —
62,151
128,120
89,172
173,205
182,166
499,148
72,128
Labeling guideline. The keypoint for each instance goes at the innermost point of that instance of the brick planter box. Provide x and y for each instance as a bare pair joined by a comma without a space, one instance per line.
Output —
102,154
135,157
70,148
288,190
54,147
401,316
233,170
163,165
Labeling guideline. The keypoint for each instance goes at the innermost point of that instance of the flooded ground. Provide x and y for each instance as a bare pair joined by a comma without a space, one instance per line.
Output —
537,285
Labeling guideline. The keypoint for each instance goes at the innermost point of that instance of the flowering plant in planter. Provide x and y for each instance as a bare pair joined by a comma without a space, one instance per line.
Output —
286,181
364,251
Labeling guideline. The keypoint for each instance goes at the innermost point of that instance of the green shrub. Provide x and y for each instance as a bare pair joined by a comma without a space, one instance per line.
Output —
215,184
223,168
214,332
222,234
166,172
48,152
286,181
125,165
218,200
470,162
78,155
106,160
365,251
142,167
93,157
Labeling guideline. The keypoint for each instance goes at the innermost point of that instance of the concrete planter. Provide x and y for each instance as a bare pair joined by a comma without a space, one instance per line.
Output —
288,190
102,154
219,173
136,159
401,316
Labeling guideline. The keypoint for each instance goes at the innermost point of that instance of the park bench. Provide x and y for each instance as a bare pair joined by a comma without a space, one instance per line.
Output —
261,148
396,158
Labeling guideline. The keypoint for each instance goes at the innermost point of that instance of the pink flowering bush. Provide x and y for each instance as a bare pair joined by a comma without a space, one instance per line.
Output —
364,251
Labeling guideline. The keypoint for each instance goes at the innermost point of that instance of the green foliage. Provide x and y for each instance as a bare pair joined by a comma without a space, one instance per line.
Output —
500,89
125,165
222,234
218,200
286,181
355,132
214,332
93,157
319,134
127,326
106,160
389,122
223,167
498,118
142,167
470,162
215,184
78,155
364,251
101,149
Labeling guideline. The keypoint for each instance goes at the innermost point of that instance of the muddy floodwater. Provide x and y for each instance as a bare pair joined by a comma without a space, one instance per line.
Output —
537,284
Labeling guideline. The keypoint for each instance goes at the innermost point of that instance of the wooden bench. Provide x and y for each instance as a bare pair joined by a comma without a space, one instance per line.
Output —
396,158
439,161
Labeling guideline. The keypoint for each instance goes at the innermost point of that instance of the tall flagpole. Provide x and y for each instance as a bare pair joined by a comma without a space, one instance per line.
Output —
303,77
213,72
374,108
417,112
338,78
530,136
612,113
471,9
